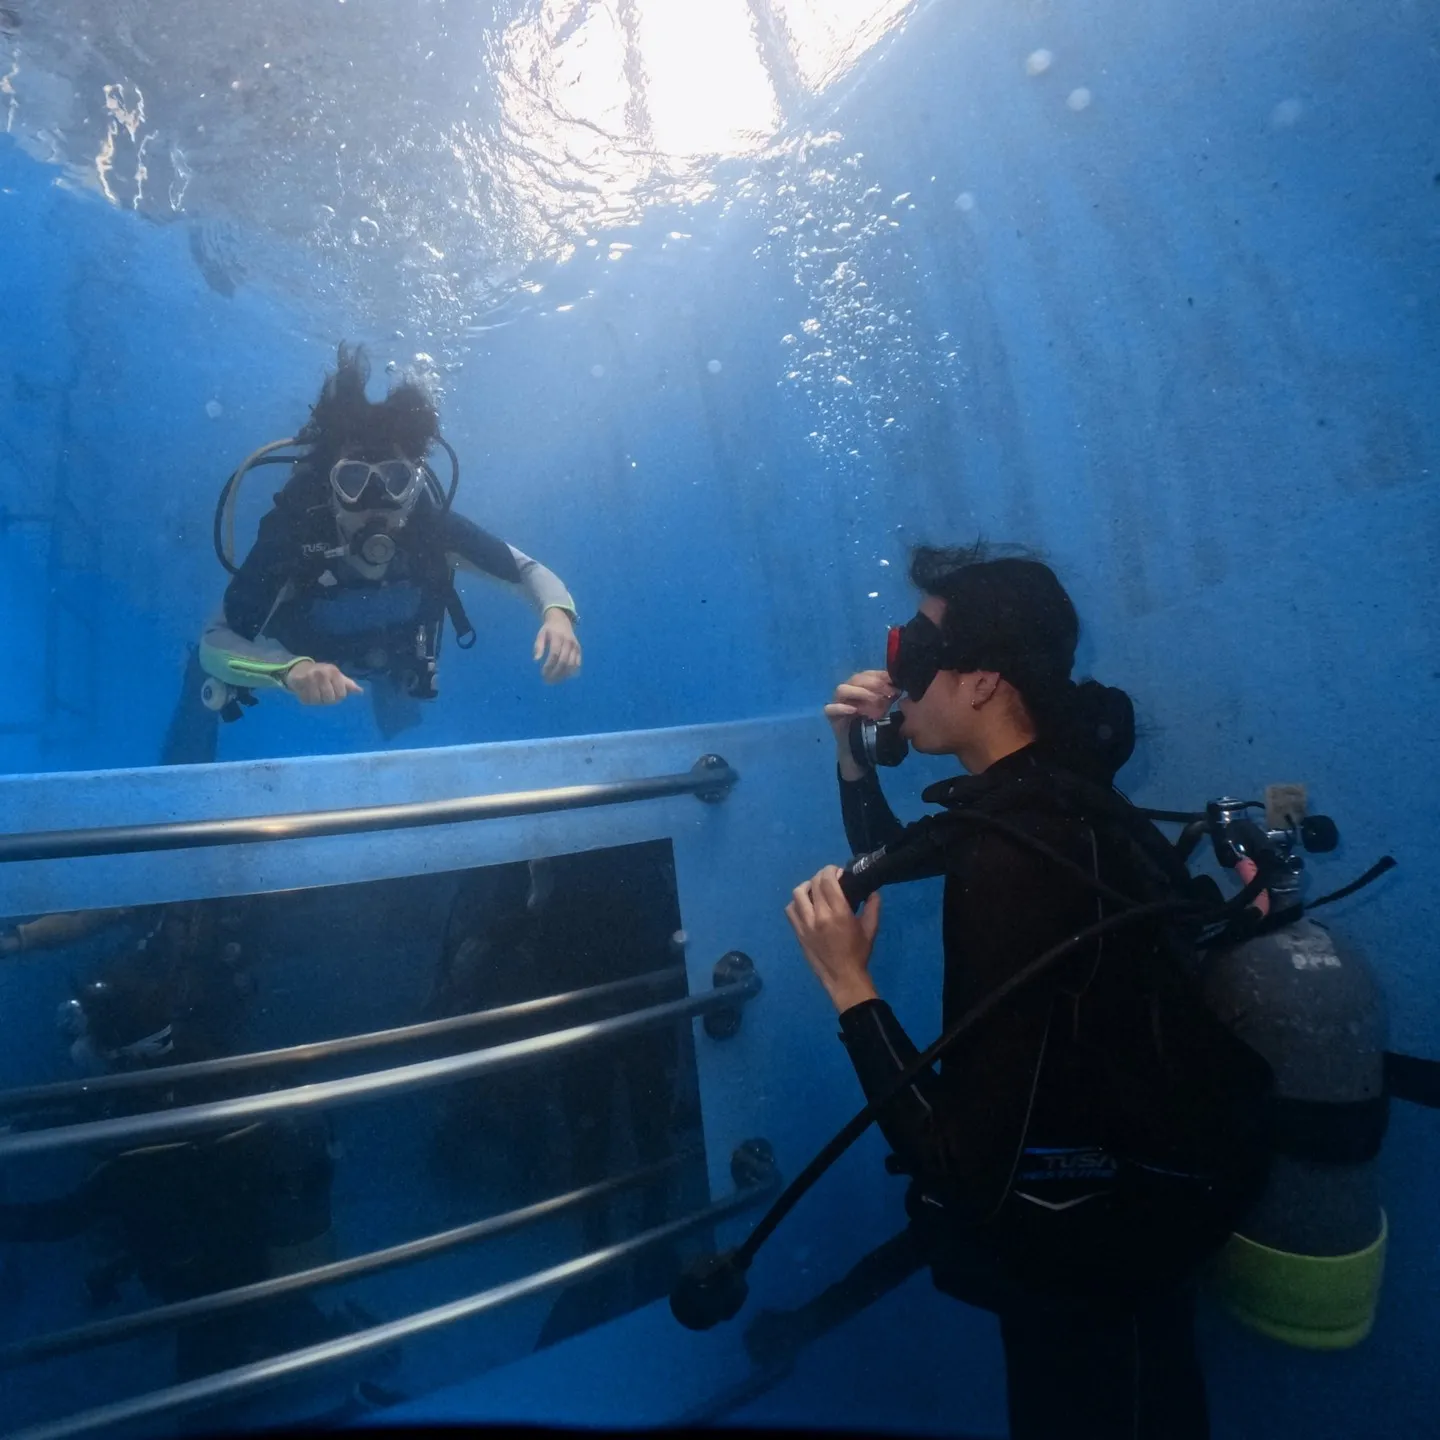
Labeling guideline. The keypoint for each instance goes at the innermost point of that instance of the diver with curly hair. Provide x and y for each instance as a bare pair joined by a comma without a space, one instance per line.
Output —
352,575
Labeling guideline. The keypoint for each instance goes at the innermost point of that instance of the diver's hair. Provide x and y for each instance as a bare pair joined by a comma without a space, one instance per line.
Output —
344,416
1006,610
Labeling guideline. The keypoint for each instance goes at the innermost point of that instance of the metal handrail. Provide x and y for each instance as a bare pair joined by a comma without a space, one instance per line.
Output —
709,779
245,1379
164,1317
308,1053
193,1119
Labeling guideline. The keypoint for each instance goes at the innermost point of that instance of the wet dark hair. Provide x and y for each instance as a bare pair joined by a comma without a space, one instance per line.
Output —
344,416
1006,610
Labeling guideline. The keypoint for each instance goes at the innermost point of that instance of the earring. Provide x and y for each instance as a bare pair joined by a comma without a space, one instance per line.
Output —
974,704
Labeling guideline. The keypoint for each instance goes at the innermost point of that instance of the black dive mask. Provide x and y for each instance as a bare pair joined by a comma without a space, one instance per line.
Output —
914,654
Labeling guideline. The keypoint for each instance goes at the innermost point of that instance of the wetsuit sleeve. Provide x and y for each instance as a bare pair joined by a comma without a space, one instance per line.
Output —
869,820
880,1049
471,548
48,932
249,664
965,1127
232,647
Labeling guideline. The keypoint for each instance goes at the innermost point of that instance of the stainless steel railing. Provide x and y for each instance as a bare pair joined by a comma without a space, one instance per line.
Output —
164,1317
261,1374
710,779
168,1076
183,1120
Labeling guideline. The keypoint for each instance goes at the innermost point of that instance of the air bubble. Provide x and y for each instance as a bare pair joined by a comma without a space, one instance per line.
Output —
713,366
1038,62
214,409
1079,99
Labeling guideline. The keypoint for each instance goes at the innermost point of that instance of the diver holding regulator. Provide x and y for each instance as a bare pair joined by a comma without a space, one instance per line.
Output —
1139,1082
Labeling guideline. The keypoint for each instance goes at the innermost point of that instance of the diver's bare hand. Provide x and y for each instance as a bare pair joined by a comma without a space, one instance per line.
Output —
313,683
837,943
868,693
557,646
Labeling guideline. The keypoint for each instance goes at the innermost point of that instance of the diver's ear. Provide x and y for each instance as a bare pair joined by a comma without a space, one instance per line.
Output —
986,687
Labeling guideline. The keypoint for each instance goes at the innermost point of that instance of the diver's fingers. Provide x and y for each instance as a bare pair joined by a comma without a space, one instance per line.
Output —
870,917
874,688
542,640
564,659
875,680
862,702
801,908
830,899
335,685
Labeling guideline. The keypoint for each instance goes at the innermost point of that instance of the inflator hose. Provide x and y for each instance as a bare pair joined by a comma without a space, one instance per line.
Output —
714,1289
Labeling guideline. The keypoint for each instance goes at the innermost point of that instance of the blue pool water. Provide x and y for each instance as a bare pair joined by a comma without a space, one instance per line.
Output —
725,307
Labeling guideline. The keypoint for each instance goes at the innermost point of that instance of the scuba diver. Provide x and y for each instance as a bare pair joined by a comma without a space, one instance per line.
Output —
191,952
193,1217
1102,1133
352,575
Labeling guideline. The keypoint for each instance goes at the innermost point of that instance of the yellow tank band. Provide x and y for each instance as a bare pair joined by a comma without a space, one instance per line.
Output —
1316,1302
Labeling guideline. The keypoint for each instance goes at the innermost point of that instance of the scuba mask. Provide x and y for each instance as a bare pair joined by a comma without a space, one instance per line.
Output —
387,485
914,654
390,487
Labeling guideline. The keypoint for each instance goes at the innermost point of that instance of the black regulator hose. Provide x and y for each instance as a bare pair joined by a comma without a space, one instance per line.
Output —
713,1288
445,445
218,529
1384,863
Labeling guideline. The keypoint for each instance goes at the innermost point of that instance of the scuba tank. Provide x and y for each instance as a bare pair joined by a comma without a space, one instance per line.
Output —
1306,1261
1305,1266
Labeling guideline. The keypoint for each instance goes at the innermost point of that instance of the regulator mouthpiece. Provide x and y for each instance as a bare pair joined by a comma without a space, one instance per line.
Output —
879,742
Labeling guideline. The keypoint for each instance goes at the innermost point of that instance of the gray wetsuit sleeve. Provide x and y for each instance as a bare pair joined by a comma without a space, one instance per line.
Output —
259,664
542,589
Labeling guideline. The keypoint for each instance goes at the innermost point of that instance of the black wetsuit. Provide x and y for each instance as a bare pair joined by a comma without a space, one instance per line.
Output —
194,1217
333,613
1071,1159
